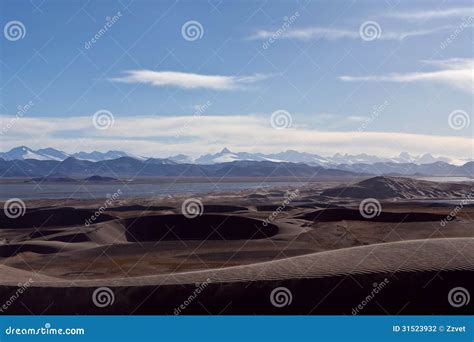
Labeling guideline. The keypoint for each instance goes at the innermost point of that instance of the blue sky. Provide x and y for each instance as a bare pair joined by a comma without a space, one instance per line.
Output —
342,90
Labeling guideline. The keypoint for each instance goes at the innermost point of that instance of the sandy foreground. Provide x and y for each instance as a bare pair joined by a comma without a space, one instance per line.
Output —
269,251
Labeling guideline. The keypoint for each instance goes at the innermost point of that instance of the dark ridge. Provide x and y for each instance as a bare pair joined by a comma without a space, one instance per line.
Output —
257,196
331,215
274,207
220,208
43,233
53,218
319,205
336,295
138,207
73,237
205,227
96,178
12,250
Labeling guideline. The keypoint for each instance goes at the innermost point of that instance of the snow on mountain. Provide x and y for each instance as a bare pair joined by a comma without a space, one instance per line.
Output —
299,157
99,156
23,152
53,154
181,159
226,155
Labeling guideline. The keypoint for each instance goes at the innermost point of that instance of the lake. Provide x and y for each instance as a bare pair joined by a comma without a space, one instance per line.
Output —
95,190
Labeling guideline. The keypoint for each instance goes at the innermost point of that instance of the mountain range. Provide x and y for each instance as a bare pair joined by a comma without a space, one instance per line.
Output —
25,162
226,155
314,159
23,153
130,167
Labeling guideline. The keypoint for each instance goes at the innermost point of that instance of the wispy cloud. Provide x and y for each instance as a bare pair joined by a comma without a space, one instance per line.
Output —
322,33
154,136
455,72
187,80
454,12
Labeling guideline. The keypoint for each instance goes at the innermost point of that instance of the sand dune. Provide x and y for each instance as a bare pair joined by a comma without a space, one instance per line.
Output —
413,256
211,227
331,215
243,246
51,217
383,187
419,272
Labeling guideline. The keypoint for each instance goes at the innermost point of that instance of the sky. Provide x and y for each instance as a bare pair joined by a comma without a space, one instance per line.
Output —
158,78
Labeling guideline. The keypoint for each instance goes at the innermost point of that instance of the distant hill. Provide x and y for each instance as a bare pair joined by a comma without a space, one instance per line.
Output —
434,169
97,178
399,187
